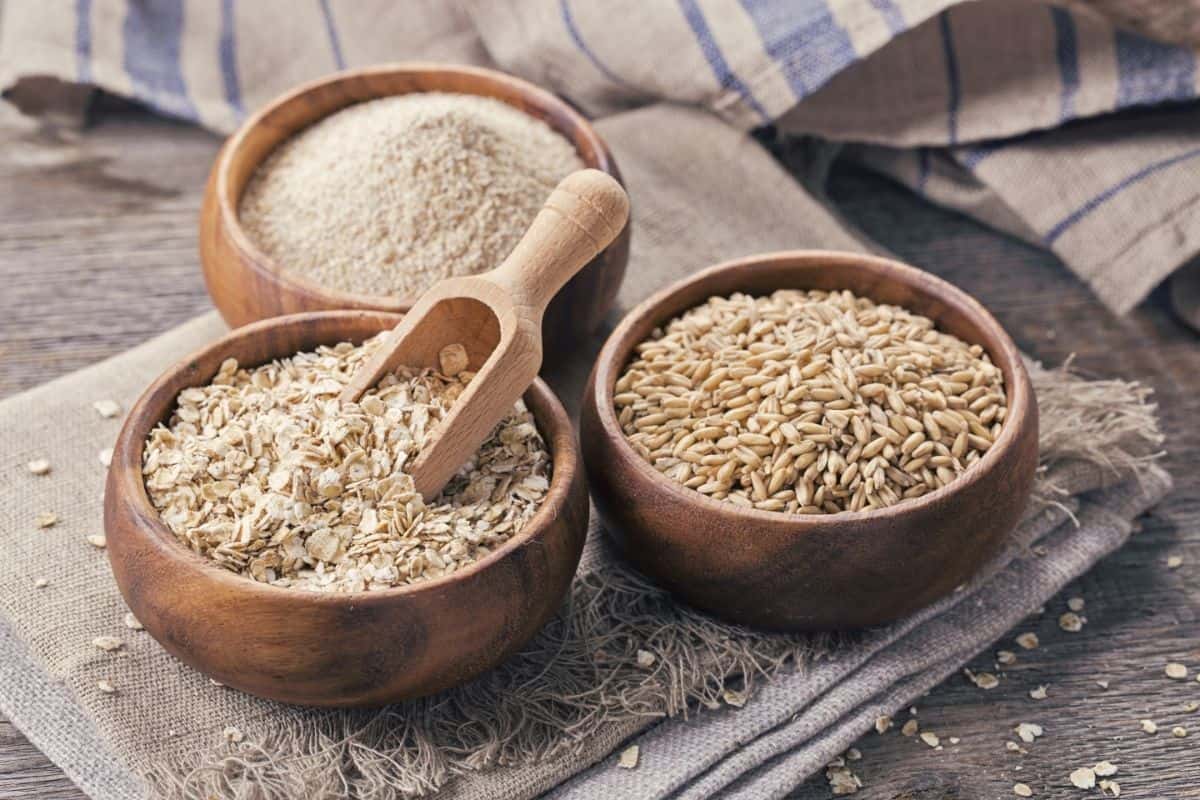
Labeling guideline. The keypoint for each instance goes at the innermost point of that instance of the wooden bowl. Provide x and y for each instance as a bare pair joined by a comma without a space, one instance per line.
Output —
820,572
336,649
246,285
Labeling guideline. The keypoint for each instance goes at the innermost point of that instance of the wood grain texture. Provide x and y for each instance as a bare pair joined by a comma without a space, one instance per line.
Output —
232,262
343,649
497,318
98,252
817,572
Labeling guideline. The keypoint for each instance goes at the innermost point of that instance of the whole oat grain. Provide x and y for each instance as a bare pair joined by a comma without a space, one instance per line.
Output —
809,402
267,474
388,196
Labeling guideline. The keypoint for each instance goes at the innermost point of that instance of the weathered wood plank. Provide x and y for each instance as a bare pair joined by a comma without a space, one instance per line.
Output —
97,253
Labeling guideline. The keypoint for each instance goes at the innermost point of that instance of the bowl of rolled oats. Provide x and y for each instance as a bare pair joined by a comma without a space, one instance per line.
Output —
271,538
810,440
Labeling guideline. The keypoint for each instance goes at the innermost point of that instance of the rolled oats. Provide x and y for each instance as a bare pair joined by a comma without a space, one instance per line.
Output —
264,472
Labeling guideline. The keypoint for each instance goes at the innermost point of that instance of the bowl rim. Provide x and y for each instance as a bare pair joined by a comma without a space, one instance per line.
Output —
616,350
125,478
599,157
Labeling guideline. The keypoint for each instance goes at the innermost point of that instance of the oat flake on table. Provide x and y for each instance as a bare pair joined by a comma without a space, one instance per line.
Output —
264,472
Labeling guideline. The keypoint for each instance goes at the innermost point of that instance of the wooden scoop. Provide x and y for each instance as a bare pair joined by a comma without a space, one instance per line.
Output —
497,319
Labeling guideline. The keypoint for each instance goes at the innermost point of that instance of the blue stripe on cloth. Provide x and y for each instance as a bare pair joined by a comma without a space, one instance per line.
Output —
1066,50
153,31
1103,197
716,59
892,15
227,48
83,41
335,41
804,39
953,87
970,157
568,20
1152,72
922,169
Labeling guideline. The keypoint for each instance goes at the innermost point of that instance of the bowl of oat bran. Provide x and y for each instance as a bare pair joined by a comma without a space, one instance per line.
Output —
271,540
361,189
810,440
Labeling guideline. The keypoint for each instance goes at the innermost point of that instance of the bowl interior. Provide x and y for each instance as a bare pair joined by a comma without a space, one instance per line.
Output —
309,103
279,337
881,280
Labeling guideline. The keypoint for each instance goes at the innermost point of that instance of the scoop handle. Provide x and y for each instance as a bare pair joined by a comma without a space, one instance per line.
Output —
582,216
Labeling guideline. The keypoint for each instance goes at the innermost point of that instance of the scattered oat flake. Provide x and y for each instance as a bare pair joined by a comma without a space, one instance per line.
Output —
45,519
107,408
1013,747
1176,671
1105,769
1083,778
1039,693
1071,622
910,728
853,754
984,680
1149,726
108,643
1028,641
841,780
1075,603
955,740
645,658
132,622
882,723
39,466
1028,731
1191,706
105,686
1174,562
1022,790
732,698
930,739
41,583
232,734
1179,732
629,757
105,456
1006,657
1102,684
97,540
1112,787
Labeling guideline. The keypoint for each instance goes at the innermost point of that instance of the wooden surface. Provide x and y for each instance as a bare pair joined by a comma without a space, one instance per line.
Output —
497,318
232,262
794,572
361,649
98,252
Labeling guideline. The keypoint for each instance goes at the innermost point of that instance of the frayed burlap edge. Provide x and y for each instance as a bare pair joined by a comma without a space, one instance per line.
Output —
581,673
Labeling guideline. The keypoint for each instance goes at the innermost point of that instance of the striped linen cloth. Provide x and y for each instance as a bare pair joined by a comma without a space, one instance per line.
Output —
974,104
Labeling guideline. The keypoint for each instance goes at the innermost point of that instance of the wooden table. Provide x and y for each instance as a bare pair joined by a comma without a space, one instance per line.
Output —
98,252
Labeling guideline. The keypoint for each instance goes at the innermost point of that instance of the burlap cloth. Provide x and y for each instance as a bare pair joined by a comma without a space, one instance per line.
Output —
675,85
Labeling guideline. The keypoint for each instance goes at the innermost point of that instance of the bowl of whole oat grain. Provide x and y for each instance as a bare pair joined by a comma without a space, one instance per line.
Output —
270,536
810,440
362,189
